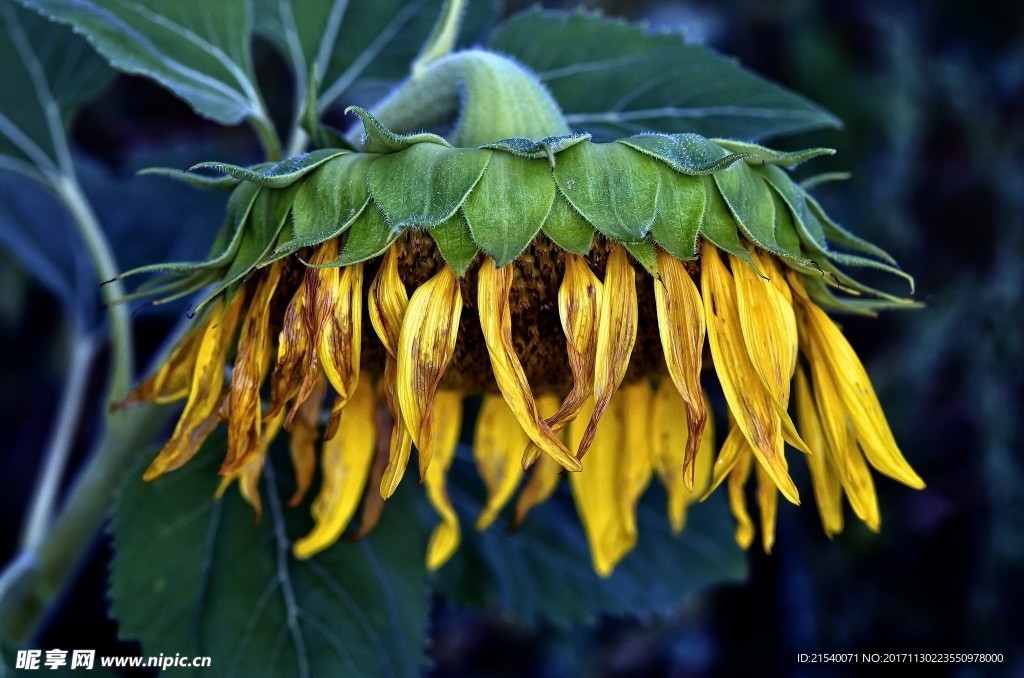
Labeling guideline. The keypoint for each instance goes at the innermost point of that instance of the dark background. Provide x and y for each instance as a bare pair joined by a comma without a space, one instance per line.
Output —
932,95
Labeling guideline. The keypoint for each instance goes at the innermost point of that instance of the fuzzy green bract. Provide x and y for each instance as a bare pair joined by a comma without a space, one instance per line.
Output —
644,191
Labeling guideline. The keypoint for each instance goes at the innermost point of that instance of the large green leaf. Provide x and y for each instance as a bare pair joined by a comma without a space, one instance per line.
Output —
614,78
543,570
47,73
193,575
196,48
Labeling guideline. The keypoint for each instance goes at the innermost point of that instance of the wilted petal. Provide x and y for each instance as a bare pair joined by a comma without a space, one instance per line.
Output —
345,464
738,500
669,446
447,415
682,330
248,476
749,401
302,442
293,346
342,338
493,285
251,364
200,416
828,491
768,505
497,449
616,335
769,332
320,286
173,378
425,347
601,496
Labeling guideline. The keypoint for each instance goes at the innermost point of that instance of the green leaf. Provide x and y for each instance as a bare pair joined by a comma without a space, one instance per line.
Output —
223,183
379,139
686,153
719,226
327,203
614,78
47,73
681,204
424,184
751,202
197,49
509,205
276,175
759,155
455,243
547,147
543,570
192,575
612,187
368,237
567,228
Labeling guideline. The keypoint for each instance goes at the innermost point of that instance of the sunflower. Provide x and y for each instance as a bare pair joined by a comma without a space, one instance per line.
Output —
584,293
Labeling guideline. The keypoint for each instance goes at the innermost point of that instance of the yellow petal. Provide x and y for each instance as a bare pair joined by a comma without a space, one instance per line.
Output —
373,502
493,285
250,369
616,335
388,302
749,401
682,330
733,449
543,478
669,445
174,376
738,500
601,495
341,341
634,403
345,464
425,347
248,476
302,440
768,505
769,333
828,493
200,417
859,398
447,424
497,450
842,444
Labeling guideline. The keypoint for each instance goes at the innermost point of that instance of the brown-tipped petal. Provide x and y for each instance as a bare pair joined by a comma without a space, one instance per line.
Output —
320,286
302,441
248,476
400,439
749,401
543,478
388,301
861,403
828,493
345,464
579,306
682,330
293,348
250,369
200,417
447,416
769,333
342,339
497,449
738,500
768,505
608,515
173,378
493,285
425,347
616,335
669,448
842,443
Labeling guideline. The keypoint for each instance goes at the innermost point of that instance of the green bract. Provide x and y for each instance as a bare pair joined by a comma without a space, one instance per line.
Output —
669,190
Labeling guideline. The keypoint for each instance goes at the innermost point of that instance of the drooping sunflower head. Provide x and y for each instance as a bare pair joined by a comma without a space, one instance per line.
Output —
586,292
